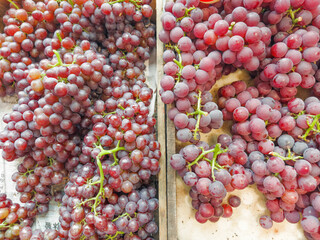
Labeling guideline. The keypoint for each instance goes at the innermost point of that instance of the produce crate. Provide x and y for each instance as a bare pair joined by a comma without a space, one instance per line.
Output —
180,223
51,218
243,224
175,214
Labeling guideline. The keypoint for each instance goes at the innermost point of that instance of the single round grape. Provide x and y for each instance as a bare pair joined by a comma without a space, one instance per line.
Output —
285,141
300,147
266,222
217,189
275,165
227,211
206,210
310,224
221,27
234,201
312,155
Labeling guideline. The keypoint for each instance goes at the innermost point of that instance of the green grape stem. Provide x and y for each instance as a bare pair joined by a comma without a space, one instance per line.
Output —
64,80
123,215
92,183
312,125
290,156
51,160
179,63
272,139
292,13
276,174
103,114
295,20
299,19
213,162
186,14
29,171
295,116
121,107
199,113
102,153
4,225
59,36
136,3
232,25
114,236
13,3
71,2
60,63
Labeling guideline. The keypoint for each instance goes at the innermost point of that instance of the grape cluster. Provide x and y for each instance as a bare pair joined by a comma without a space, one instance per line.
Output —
275,133
82,121
35,181
202,167
204,117
282,147
12,217
118,214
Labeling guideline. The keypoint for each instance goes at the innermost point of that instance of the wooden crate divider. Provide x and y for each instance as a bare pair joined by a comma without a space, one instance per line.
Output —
166,135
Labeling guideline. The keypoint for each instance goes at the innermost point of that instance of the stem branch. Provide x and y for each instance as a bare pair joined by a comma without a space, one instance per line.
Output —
214,165
114,236
198,112
101,189
290,156
315,122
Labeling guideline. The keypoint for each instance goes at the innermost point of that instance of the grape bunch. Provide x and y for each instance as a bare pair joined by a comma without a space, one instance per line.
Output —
275,132
203,118
82,124
117,214
12,216
250,113
16,221
202,167
35,181
283,153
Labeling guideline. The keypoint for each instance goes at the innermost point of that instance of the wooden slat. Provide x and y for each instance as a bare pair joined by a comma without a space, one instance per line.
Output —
168,217
162,178
171,182
161,123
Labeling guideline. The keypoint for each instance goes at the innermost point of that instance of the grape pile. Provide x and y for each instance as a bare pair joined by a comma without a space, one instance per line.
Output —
82,123
275,133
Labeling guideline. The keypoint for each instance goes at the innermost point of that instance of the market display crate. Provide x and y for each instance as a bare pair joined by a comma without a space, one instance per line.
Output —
244,223
175,216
